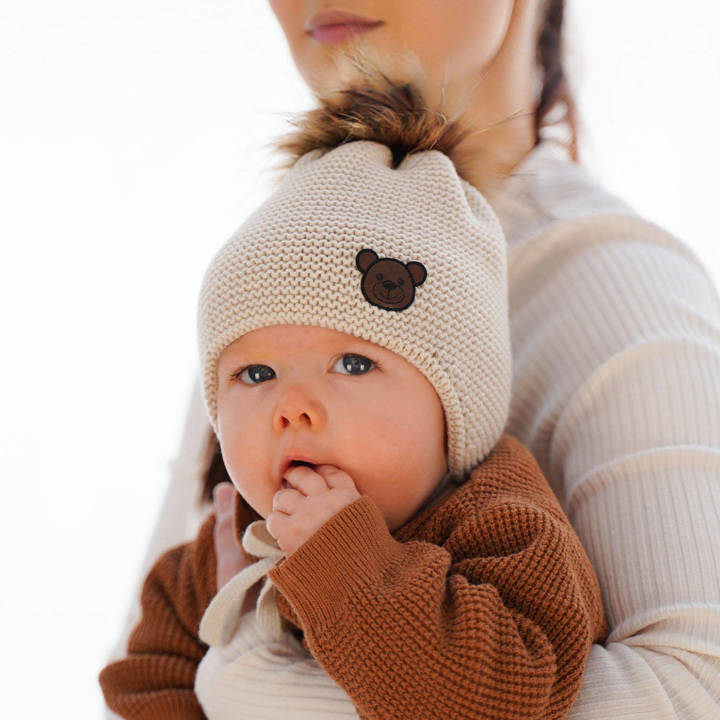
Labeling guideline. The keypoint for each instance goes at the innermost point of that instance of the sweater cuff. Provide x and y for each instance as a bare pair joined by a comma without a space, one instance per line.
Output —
352,550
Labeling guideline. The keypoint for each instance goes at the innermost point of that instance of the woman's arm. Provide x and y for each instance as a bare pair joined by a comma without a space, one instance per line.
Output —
616,347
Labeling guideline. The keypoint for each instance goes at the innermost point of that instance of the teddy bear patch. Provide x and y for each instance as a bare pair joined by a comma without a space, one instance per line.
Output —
388,283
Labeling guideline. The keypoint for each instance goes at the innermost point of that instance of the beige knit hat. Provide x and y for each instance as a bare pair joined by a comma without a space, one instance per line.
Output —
412,259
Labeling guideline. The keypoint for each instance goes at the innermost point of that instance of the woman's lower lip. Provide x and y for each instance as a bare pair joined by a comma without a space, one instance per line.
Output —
341,32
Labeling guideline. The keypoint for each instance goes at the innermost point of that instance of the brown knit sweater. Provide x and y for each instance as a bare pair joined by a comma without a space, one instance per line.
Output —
483,605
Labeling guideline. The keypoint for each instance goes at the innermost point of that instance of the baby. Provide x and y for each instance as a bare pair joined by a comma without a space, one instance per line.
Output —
356,368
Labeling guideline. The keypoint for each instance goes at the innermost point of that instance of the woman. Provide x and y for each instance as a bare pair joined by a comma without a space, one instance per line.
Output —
616,351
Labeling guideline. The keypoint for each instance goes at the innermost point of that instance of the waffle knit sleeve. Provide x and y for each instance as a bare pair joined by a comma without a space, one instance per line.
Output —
156,677
495,622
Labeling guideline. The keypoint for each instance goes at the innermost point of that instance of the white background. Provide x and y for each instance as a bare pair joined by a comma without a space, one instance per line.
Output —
131,147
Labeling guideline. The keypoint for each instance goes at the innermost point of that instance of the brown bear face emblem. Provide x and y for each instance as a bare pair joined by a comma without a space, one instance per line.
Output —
388,283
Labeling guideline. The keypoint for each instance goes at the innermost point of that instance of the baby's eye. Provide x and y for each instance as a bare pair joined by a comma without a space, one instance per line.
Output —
255,374
353,365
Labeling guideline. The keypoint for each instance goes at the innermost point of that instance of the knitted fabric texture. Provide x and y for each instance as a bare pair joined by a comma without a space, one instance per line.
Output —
482,606
412,259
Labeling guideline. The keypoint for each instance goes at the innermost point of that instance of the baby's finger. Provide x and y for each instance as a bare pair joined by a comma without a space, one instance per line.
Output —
287,500
276,522
335,477
222,497
305,479
231,558
223,535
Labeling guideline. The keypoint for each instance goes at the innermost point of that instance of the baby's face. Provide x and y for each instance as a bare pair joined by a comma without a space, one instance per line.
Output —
336,400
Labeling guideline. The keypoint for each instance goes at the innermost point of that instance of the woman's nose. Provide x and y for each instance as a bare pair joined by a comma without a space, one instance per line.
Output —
299,408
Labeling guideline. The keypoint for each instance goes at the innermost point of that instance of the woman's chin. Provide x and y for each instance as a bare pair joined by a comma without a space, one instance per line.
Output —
329,68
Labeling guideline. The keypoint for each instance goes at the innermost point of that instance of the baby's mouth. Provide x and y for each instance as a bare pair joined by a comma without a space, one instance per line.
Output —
300,462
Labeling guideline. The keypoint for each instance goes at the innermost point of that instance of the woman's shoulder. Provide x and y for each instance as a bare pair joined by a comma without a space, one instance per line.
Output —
547,187
550,206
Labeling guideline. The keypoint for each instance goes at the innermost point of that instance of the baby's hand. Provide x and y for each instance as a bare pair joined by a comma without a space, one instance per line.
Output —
315,495
231,558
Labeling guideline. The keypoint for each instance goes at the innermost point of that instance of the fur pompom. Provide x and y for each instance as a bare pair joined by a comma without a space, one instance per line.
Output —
375,107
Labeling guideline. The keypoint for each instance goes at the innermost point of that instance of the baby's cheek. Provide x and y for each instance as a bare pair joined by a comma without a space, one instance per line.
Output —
384,429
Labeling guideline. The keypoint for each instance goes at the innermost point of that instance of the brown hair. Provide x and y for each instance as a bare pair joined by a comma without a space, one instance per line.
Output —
556,89
394,113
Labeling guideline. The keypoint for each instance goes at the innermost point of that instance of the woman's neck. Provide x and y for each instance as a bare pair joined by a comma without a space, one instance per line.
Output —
496,105
489,161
